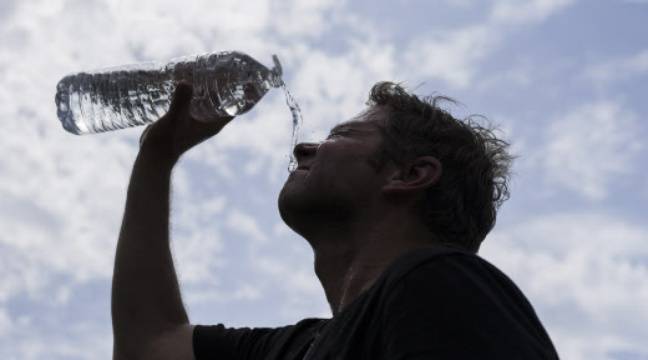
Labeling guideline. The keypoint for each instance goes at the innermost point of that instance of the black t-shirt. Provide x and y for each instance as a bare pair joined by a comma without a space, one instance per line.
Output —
436,303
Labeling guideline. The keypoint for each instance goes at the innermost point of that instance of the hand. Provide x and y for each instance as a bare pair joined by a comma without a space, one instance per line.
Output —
177,131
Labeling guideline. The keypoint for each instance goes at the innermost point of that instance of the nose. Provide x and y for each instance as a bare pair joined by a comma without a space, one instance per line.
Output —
304,150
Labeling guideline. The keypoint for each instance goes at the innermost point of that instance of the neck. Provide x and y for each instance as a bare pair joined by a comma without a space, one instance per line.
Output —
350,258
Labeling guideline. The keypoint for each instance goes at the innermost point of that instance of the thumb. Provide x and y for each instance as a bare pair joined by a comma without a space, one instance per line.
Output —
179,103
181,98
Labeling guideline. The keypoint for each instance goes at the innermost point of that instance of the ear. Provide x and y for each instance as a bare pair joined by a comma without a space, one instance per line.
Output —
416,176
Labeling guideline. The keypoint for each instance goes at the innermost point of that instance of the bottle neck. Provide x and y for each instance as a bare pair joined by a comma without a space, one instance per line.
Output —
275,80
276,72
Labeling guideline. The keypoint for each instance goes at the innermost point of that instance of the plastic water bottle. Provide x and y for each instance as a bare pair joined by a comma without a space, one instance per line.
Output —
224,84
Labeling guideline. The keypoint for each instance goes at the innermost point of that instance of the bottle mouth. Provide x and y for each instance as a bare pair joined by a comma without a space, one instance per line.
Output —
277,72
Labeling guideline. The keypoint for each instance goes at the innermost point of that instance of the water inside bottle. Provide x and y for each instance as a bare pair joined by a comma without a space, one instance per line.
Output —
296,125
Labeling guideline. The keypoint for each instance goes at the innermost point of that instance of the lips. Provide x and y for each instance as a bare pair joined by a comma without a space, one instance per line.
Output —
302,170
303,167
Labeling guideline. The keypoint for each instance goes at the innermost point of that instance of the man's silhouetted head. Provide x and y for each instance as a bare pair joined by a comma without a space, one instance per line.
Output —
403,153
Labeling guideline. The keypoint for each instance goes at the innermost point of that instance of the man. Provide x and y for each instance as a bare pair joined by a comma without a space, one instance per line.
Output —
395,204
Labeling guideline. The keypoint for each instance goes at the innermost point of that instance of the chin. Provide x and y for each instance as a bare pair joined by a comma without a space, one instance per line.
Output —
290,207
306,212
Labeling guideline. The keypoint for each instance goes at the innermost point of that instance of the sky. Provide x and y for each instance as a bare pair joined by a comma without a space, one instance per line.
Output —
565,81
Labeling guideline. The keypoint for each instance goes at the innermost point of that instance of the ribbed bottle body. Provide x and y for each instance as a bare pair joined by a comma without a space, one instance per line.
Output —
113,98
229,84
225,83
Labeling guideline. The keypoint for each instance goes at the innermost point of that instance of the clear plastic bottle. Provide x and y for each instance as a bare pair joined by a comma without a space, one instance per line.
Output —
224,83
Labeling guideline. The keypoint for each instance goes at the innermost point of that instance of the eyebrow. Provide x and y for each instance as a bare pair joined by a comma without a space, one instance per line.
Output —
339,127
346,126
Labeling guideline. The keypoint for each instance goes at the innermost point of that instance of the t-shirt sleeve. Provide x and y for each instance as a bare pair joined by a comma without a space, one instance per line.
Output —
458,307
213,342
217,342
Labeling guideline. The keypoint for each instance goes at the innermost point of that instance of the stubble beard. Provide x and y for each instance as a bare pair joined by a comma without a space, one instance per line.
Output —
307,211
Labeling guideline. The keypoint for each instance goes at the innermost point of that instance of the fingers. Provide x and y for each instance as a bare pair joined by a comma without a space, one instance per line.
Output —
181,97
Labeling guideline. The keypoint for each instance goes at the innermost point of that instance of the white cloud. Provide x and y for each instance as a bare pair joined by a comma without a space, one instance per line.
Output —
5,322
337,89
304,293
196,237
619,69
29,339
63,207
585,348
450,56
453,56
585,273
528,11
245,225
305,18
461,3
590,146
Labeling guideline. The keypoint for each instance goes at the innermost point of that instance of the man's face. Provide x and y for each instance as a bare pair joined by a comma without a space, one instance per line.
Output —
335,179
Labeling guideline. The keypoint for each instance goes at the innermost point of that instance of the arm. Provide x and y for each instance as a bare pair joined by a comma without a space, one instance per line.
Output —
149,319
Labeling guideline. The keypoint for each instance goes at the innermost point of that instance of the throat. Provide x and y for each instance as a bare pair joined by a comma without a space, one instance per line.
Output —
351,291
344,283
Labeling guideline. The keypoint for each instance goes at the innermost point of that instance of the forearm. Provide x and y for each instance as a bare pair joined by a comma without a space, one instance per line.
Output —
146,298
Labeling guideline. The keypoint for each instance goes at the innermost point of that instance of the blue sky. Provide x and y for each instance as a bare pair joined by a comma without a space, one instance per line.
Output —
564,79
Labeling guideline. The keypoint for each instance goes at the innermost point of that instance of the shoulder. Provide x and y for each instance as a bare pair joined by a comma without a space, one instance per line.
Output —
449,276
438,262
458,300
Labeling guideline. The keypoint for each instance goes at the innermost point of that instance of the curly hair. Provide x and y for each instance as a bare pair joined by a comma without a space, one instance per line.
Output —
461,208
